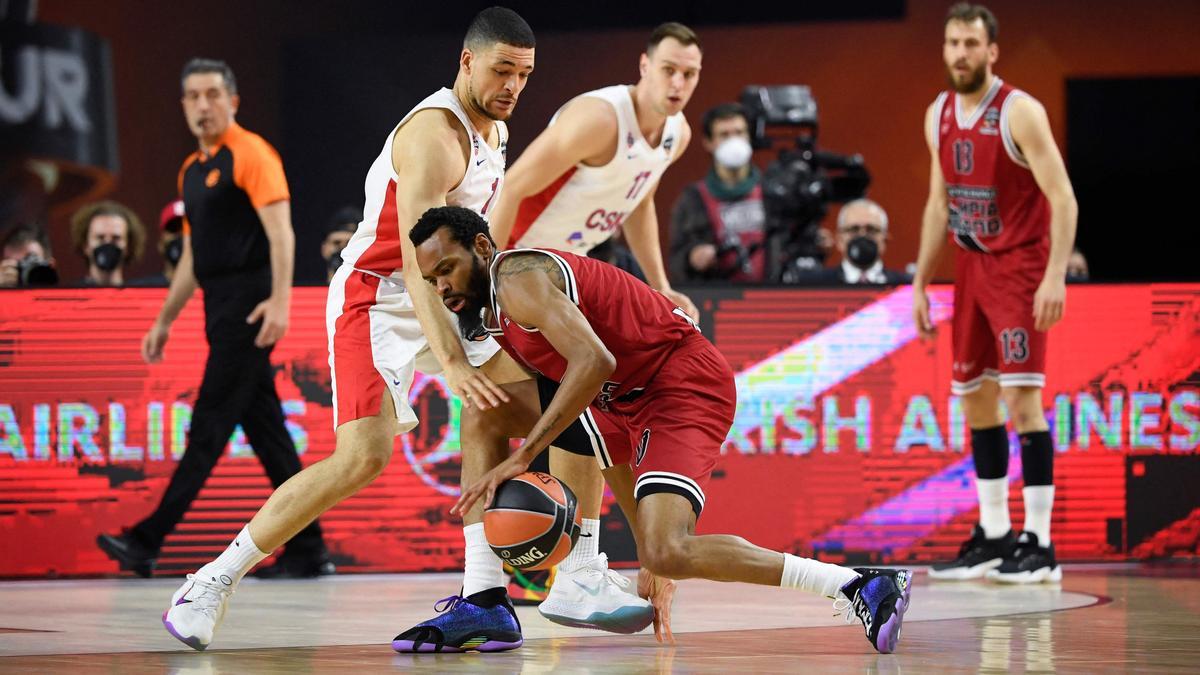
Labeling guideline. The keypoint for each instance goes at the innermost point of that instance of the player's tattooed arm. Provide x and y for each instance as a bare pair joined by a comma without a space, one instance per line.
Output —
515,264
530,292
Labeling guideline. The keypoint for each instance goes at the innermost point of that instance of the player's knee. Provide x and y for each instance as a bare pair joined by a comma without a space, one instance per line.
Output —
981,409
666,558
365,463
484,424
1025,408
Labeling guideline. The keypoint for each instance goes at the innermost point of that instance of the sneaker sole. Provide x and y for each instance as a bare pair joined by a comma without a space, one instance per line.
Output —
1038,576
622,621
889,633
965,573
192,642
410,647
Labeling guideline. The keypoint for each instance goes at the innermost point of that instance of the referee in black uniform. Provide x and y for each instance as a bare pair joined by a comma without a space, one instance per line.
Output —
239,248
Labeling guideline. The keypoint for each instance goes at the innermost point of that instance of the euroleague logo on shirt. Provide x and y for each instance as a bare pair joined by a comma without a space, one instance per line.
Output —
212,178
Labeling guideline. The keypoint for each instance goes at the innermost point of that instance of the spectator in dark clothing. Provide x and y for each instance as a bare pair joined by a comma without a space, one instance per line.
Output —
862,233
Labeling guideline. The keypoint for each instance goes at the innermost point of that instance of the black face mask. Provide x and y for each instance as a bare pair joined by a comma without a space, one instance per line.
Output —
862,252
334,261
107,257
174,251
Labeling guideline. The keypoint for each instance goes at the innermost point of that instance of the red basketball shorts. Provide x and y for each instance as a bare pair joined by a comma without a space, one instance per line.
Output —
672,433
993,331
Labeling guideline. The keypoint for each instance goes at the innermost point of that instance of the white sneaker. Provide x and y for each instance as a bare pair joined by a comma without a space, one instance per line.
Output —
594,596
197,609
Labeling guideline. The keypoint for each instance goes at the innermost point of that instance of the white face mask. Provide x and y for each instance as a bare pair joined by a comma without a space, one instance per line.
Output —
733,152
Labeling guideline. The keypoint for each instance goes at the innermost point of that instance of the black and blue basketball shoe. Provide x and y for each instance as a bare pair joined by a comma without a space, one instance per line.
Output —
879,598
482,622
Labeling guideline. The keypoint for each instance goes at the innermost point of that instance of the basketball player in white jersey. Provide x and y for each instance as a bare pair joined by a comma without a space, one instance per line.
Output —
594,171
385,322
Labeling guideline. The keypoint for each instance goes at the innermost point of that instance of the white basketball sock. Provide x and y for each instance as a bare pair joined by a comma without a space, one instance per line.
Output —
482,569
815,576
586,547
1039,501
993,506
241,556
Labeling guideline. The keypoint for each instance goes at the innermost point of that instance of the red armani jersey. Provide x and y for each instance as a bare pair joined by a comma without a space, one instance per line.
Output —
637,324
995,204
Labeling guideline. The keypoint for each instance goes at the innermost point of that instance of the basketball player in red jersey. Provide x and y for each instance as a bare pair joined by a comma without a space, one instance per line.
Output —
629,361
998,183
592,173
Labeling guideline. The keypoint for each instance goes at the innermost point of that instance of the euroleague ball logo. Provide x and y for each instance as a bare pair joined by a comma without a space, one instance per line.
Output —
531,556
213,176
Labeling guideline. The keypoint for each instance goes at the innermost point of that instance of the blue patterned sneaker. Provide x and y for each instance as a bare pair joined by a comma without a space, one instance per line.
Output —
879,598
483,622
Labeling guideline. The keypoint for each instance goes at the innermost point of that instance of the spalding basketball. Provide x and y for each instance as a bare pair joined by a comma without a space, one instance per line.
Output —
532,522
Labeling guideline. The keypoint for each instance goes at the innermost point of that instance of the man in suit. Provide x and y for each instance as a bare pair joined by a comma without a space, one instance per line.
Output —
861,239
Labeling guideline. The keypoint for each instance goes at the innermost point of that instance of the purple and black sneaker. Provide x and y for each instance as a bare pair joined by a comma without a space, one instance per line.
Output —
482,622
879,598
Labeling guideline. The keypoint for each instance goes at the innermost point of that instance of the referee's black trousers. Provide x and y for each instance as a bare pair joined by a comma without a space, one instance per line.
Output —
238,388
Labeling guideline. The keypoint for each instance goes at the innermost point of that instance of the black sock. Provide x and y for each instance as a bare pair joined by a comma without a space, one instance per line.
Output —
1037,458
989,447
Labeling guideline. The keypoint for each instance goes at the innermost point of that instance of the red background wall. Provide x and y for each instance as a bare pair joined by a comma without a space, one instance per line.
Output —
872,79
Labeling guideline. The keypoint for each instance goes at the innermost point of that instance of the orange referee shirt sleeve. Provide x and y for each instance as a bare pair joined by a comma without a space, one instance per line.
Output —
258,170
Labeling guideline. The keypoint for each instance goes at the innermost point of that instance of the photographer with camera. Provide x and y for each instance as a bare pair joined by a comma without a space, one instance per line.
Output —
718,224
110,237
341,227
26,258
862,233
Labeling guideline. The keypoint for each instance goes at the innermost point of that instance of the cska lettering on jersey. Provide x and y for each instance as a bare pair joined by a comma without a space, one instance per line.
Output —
606,221
587,205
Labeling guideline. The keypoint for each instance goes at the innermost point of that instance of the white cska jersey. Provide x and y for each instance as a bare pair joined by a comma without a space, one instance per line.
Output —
584,207
375,246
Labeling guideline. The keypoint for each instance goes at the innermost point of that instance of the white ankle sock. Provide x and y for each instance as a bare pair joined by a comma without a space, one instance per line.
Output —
993,506
586,547
1039,501
482,569
815,576
241,556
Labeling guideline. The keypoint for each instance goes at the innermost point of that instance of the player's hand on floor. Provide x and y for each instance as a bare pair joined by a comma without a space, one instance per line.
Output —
660,591
683,302
473,387
1049,303
920,310
485,488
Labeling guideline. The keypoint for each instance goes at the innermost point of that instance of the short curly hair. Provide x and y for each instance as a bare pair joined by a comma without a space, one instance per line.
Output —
464,226
81,222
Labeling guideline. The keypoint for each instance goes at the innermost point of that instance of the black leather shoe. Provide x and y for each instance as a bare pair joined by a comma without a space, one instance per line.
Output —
286,567
128,553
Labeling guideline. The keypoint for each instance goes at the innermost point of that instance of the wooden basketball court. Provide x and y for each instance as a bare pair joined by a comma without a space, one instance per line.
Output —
1102,618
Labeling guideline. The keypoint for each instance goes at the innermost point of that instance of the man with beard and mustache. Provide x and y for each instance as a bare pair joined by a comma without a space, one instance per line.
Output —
384,323
998,184
589,175
658,393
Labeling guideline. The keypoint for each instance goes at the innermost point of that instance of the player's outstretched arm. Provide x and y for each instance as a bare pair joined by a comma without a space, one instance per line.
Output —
933,234
1030,128
429,155
585,130
529,288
